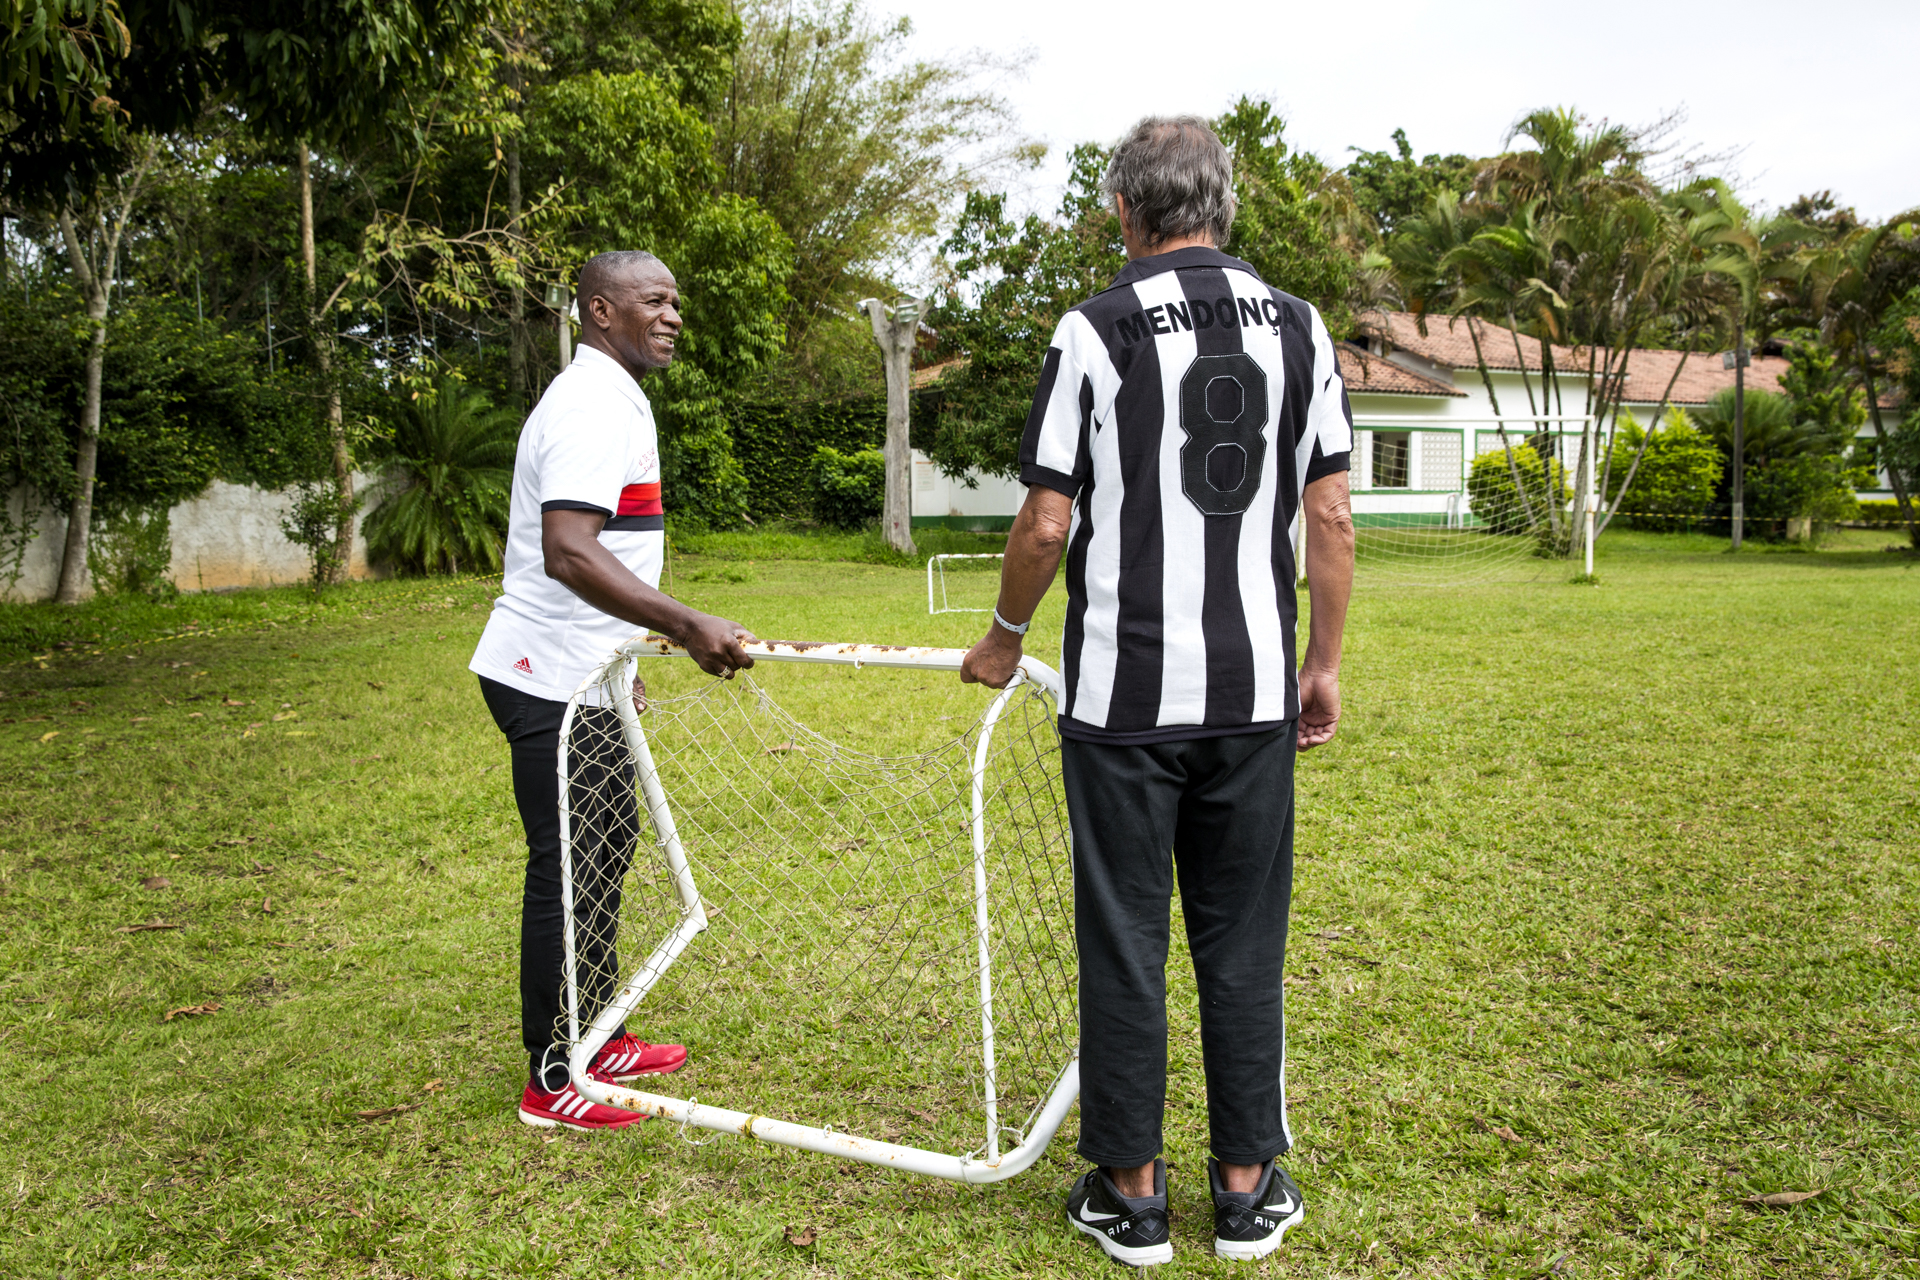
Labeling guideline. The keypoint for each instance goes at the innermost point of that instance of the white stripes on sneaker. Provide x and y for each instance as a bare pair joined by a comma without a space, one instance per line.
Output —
571,1104
620,1062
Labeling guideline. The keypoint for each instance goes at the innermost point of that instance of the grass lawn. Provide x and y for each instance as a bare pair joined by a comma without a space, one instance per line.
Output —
1605,922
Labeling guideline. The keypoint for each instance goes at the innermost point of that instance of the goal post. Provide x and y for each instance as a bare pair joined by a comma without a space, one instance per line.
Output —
906,918
937,571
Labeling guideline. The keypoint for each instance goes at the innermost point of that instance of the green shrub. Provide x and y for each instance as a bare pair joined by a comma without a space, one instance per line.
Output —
1887,512
1498,506
849,489
1677,474
775,442
1809,487
444,498
131,552
312,522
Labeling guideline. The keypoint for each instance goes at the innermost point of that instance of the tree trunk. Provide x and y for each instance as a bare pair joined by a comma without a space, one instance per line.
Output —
319,331
95,277
1900,494
895,331
73,559
1739,433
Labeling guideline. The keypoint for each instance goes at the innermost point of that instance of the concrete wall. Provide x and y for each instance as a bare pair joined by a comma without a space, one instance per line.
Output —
229,536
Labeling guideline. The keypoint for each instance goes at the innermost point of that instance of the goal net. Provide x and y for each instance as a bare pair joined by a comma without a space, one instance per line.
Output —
963,582
863,935
1435,503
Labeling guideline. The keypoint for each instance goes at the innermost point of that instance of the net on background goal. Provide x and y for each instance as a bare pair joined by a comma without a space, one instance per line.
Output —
974,584
1418,522
868,949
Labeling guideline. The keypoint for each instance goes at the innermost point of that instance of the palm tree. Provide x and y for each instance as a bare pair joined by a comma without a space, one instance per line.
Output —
444,497
1851,284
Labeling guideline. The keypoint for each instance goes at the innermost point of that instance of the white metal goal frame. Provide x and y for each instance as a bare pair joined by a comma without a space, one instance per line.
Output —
992,1164
940,560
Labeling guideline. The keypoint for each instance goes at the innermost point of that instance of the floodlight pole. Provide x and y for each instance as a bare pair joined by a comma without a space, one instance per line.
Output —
895,329
561,303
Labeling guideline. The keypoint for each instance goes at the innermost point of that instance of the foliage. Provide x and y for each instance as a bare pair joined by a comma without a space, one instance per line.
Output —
1808,486
849,489
1771,433
776,442
444,500
1008,285
312,522
183,403
132,552
1284,229
1678,472
1393,187
1501,508
1819,392
1899,339
854,149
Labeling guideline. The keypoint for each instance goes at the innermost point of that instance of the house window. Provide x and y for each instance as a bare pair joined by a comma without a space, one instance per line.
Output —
1439,460
1390,457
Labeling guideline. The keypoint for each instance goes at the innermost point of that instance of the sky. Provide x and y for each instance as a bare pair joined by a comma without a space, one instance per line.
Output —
1810,94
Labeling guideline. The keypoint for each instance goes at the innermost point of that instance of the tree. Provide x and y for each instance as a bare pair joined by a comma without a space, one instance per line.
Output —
1852,285
854,150
1391,188
1289,206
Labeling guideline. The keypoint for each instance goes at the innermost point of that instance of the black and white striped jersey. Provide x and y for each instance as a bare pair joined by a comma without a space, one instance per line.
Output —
1184,409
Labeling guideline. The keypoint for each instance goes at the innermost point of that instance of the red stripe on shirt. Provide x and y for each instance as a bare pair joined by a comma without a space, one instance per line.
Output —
641,500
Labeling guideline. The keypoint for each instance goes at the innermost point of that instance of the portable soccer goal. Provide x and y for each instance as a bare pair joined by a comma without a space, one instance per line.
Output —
940,599
864,938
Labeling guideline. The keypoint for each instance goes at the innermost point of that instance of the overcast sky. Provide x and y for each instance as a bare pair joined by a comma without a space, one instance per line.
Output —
1821,95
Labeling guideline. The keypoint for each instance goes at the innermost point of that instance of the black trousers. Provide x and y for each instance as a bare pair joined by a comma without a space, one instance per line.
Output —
1218,813
606,822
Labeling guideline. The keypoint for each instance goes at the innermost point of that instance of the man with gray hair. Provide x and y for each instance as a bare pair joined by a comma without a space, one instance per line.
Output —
1186,418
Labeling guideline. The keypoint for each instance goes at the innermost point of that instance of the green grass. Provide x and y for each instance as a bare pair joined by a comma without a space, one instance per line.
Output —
1631,872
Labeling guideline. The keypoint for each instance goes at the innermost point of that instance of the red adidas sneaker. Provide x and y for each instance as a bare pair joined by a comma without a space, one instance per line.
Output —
572,1109
629,1058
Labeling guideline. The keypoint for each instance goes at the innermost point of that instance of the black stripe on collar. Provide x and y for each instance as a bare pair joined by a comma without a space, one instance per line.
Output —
1192,256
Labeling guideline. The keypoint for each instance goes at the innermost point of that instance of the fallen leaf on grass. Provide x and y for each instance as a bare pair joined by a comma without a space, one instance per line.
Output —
50,735
156,882
435,1086
142,928
381,1113
376,684
801,1238
234,702
266,906
190,1011
1499,1131
781,748
1779,1199
286,715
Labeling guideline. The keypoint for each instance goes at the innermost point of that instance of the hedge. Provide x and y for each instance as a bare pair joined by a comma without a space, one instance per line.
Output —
776,443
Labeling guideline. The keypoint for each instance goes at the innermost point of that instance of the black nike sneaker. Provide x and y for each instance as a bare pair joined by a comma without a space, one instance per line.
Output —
1133,1231
1248,1225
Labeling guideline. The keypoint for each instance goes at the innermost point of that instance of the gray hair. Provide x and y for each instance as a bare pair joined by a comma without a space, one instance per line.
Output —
1177,177
603,269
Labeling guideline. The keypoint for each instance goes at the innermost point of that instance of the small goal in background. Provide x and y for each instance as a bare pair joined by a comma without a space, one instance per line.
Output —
872,943
975,585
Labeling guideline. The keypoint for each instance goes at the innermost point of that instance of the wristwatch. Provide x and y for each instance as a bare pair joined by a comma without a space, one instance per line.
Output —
1019,630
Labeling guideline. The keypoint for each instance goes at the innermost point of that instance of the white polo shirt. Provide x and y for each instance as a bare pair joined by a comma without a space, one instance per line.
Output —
589,445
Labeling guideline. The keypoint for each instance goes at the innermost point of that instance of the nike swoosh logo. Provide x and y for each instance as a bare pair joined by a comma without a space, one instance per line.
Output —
1095,1219
1285,1206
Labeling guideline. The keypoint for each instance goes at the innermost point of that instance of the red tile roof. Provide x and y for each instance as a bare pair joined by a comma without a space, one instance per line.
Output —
1448,341
1367,374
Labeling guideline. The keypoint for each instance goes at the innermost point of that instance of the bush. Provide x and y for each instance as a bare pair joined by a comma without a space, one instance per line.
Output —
775,442
1498,506
849,489
444,498
1677,475
1808,487
1887,512
131,552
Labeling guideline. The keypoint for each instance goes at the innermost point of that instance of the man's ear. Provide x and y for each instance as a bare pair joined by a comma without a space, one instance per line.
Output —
601,310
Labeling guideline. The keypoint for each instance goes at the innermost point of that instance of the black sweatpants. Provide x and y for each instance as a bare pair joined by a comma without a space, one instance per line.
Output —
1218,812
605,824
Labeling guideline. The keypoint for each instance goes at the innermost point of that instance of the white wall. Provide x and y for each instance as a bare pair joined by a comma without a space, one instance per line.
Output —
935,495
229,536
